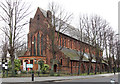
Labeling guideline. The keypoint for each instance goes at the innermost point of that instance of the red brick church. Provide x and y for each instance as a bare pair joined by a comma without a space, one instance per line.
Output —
67,59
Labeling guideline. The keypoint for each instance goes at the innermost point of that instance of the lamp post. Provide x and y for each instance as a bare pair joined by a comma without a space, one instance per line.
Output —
32,43
118,51
118,58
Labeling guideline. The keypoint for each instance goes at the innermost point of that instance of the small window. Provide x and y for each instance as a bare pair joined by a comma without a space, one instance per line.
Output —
48,14
38,17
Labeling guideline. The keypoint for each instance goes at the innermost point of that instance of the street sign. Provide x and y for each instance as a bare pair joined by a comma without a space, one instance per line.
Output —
5,65
29,65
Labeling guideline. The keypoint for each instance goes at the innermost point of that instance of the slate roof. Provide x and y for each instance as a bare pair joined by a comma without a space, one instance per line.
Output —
69,31
74,55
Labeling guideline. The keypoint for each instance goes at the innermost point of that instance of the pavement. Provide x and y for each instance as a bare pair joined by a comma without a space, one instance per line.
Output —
42,79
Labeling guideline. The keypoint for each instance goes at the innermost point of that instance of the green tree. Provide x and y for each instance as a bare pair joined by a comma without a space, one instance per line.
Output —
17,65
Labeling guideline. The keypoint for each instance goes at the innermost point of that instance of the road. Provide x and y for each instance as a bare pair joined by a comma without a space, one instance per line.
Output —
91,80
94,79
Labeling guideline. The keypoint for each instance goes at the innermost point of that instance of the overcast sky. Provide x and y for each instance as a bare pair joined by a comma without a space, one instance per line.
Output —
107,9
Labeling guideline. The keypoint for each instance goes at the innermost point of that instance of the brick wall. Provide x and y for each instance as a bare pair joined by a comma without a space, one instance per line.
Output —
39,24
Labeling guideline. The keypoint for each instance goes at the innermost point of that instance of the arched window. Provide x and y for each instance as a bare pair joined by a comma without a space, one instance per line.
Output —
42,45
34,46
62,42
70,41
65,42
38,44
61,62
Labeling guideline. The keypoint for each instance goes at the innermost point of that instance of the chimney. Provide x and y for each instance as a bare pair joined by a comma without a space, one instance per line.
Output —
49,14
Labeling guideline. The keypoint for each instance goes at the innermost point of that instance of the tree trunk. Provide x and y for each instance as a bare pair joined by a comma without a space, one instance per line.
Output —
79,67
96,68
118,66
52,68
13,65
100,68
89,68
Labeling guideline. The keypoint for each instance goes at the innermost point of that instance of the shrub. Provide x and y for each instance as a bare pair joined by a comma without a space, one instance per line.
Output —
51,73
24,72
45,68
30,72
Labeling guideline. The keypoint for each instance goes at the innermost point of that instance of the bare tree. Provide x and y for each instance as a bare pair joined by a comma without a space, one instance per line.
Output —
89,37
114,51
21,50
80,37
4,48
13,15
97,24
118,55
108,47
94,30
59,22
113,45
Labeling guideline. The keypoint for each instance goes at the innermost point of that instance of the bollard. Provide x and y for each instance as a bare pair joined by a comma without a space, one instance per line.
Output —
32,76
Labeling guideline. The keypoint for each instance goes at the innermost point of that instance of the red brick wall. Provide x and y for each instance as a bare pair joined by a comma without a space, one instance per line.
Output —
41,26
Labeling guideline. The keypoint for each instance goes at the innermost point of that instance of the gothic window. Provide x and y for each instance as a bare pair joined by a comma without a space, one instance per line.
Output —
31,46
41,45
62,42
68,62
71,43
34,46
61,62
65,42
38,44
